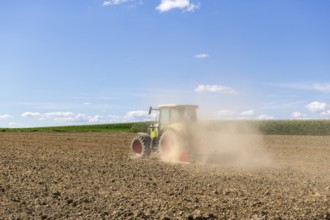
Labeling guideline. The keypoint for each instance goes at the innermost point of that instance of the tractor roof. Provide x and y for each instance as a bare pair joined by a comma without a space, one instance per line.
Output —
177,106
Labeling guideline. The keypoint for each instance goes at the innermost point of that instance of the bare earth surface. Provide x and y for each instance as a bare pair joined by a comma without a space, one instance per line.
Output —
91,176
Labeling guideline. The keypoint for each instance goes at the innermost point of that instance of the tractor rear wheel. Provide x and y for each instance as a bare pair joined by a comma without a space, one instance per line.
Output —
140,147
173,148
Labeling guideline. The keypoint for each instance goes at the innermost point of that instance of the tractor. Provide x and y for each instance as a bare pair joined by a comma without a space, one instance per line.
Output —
170,135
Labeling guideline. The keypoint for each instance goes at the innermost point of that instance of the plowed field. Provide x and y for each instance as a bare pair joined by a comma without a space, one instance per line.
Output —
92,176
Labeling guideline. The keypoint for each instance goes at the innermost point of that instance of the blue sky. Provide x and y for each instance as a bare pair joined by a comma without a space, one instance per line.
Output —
89,62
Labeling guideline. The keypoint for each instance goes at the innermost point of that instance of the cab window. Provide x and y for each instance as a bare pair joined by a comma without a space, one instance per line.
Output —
175,115
164,116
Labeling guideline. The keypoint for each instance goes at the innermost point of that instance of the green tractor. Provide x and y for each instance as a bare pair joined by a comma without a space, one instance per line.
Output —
170,135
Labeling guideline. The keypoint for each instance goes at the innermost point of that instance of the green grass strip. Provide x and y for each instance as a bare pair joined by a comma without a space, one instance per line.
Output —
267,127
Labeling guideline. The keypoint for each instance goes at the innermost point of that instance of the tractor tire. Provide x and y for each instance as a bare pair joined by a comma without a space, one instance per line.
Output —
172,147
140,147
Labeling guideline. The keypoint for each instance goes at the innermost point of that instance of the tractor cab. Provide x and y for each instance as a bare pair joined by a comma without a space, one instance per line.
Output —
170,114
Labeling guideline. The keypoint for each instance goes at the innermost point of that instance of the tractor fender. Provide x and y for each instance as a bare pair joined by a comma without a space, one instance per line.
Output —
145,135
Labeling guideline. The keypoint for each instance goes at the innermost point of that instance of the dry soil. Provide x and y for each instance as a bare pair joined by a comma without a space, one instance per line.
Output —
92,176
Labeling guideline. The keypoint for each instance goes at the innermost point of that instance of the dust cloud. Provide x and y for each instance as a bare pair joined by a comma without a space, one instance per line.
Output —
234,144
226,143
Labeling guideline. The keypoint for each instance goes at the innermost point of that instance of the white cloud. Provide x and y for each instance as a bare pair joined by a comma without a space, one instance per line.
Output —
192,7
71,117
31,115
318,107
16,125
201,56
247,113
61,116
298,115
64,117
5,117
167,5
139,116
265,117
106,3
215,88
96,119
113,2
130,3
321,108
133,116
